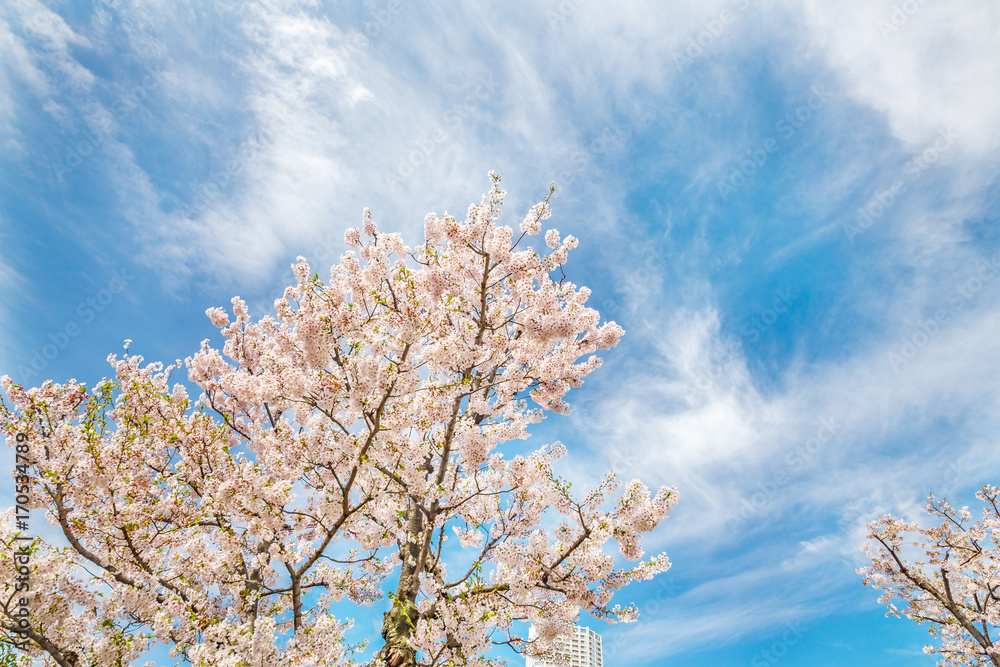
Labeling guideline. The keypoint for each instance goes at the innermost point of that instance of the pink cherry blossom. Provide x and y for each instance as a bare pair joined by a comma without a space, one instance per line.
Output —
335,447
947,575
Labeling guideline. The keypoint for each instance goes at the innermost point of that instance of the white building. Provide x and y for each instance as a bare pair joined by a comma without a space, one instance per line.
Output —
583,647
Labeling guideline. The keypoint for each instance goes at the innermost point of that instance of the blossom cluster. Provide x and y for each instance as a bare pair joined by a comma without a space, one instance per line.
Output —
948,575
333,444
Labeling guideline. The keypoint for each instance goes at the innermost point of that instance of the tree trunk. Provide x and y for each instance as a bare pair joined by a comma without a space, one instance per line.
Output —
399,622
397,626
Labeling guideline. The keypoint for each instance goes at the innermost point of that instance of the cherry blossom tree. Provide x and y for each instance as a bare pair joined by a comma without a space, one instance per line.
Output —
334,450
954,586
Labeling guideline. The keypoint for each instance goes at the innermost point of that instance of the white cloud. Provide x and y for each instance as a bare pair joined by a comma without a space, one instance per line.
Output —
693,414
926,65
35,52
331,117
754,469
13,283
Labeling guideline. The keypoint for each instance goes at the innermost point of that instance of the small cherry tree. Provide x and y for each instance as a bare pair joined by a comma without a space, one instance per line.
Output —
333,451
955,587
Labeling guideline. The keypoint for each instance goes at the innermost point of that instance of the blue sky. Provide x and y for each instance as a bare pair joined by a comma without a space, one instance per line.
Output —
791,207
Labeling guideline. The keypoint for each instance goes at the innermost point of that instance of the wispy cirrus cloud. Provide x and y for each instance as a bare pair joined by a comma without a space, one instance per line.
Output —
786,421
